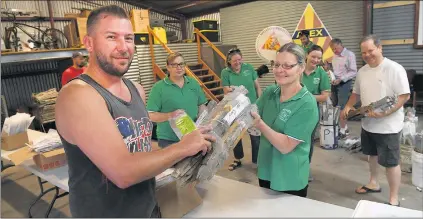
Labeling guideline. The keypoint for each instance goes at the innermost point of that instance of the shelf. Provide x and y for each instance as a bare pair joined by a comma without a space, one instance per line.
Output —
11,57
10,19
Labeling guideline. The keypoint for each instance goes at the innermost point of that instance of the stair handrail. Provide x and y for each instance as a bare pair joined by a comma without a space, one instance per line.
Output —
200,60
199,34
187,70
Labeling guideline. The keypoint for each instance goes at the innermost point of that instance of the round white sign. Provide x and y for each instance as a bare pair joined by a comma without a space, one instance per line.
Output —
270,40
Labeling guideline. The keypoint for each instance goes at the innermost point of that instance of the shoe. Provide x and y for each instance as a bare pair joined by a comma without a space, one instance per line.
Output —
398,205
342,135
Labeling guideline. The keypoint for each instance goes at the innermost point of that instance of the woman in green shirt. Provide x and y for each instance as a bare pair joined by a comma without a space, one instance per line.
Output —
287,117
316,80
173,95
236,74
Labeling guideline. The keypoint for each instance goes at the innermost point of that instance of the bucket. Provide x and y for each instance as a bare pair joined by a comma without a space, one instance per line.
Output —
329,137
417,174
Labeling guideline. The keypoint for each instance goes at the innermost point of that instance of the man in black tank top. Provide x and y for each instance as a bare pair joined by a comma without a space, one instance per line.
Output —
106,130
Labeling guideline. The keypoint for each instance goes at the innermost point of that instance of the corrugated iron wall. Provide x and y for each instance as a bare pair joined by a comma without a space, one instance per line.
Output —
241,24
60,8
393,23
20,80
190,25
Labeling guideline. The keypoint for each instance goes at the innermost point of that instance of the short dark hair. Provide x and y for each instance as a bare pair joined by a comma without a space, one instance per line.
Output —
376,39
336,41
231,53
315,47
304,33
94,16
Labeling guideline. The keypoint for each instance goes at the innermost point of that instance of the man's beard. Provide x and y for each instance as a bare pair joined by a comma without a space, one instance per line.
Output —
109,68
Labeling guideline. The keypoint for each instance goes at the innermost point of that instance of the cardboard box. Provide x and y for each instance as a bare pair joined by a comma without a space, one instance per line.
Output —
78,29
85,13
44,161
175,201
140,20
13,142
50,160
141,13
71,15
140,24
70,33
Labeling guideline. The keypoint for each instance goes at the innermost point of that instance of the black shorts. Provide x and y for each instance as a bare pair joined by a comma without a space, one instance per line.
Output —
385,146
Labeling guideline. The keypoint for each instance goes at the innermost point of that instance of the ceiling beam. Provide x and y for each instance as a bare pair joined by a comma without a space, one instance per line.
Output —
190,4
217,8
153,7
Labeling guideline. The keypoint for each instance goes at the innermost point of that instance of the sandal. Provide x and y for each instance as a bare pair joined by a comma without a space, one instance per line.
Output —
234,165
388,203
367,190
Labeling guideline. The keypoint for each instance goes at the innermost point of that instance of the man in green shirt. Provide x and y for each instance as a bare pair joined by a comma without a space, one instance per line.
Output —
173,95
305,40
236,74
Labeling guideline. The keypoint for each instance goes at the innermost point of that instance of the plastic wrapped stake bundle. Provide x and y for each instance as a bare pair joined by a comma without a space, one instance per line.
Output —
230,119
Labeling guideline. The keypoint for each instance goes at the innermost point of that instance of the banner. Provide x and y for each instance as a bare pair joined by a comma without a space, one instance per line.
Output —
319,35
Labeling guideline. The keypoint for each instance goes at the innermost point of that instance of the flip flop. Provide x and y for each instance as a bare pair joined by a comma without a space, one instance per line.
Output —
367,190
234,165
388,203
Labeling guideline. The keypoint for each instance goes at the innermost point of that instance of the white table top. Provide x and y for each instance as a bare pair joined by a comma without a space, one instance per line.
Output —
229,198
224,197
369,209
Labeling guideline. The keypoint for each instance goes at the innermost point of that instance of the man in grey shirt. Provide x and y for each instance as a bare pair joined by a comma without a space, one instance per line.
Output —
106,130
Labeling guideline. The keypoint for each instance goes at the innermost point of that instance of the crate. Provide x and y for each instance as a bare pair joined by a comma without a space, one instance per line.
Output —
212,35
141,38
205,24
161,34
140,20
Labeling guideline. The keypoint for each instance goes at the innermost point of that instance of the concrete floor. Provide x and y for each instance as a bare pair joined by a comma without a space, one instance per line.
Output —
337,173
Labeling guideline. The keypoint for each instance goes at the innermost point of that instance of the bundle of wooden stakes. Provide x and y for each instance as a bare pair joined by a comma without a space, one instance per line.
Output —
46,102
230,119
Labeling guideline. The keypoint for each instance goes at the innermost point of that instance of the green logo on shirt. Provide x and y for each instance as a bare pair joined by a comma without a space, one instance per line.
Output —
246,73
284,114
316,80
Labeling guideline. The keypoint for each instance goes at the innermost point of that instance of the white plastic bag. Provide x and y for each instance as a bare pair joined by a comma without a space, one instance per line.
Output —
17,123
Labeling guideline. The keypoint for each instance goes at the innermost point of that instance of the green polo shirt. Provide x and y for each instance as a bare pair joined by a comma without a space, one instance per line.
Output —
166,96
317,81
307,47
297,118
245,77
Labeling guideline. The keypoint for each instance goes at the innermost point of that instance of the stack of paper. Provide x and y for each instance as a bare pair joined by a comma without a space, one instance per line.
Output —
47,142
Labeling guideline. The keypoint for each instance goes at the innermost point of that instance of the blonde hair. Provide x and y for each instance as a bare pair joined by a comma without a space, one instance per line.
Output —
173,56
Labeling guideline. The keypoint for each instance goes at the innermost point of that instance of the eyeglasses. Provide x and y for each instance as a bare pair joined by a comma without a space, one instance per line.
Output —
284,66
175,65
